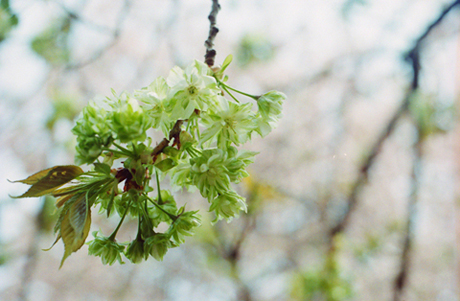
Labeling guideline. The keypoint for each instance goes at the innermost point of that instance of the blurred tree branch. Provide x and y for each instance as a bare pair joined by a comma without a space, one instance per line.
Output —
412,57
114,32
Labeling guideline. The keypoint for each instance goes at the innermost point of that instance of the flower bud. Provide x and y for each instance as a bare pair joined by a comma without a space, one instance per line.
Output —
135,251
184,225
88,150
107,249
270,104
128,120
228,205
157,246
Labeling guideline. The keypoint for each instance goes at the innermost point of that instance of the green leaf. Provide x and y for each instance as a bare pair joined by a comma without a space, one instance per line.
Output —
102,168
46,181
35,177
165,164
171,151
226,62
57,239
62,200
51,44
75,227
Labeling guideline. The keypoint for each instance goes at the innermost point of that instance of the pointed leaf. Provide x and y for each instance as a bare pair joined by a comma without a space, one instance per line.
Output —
65,191
62,200
226,62
35,177
57,239
48,180
102,168
75,226
165,164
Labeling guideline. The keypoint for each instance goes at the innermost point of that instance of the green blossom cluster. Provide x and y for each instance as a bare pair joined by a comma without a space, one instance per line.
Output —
202,121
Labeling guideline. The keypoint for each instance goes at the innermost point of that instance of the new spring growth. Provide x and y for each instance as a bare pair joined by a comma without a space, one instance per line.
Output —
203,120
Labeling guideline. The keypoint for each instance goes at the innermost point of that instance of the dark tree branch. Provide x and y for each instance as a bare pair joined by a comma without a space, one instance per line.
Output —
210,56
412,57
401,278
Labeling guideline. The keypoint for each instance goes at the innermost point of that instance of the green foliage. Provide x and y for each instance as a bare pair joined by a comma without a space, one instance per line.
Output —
430,114
325,283
371,245
3,254
52,45
254,48
65,106
8,20
201,130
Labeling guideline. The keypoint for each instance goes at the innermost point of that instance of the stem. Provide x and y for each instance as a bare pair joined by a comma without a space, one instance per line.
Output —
134,148
160,201
112,236
198,129
139,230
123,149
171,216
193,152
228,92
146,214
115,151
237,91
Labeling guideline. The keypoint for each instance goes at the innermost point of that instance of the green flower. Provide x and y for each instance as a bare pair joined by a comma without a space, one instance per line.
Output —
270,107
157,245
107,249
93,133
192,88
184,225
271,104
88,149
135,251
228,205
231,122
93,121
155,98
128,120
237,162
209,173
168,204
213,171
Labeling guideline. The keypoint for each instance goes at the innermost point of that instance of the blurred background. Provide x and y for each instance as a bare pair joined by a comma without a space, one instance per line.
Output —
353,197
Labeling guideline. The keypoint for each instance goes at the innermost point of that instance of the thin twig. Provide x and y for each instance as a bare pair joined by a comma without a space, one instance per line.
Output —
77,17
210,56
115,34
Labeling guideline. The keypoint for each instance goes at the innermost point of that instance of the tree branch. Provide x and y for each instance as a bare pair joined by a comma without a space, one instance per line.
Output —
412,57
401,278
213,30
115,34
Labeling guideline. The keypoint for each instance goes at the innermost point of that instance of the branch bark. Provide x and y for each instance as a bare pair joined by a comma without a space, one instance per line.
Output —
210,56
